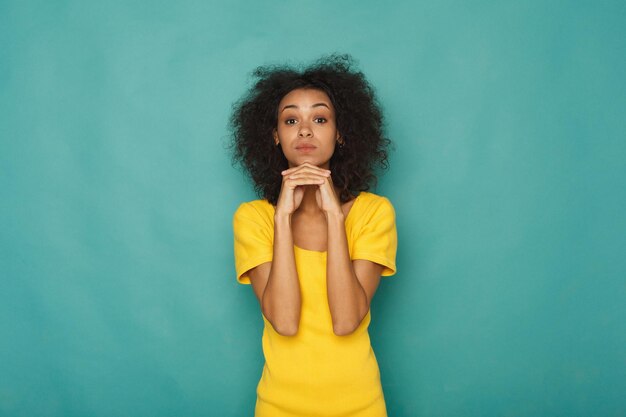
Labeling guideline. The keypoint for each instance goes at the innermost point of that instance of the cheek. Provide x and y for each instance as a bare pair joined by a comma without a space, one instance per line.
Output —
282,131
331,147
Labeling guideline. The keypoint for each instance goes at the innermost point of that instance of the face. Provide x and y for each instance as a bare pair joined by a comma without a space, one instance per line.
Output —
307,129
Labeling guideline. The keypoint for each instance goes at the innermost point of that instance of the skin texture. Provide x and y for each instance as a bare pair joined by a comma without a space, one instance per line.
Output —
310,215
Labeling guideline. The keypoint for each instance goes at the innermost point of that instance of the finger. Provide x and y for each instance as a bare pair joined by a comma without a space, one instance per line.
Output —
306,175
306,167
296,182
323,172
327,191
326,188
298,193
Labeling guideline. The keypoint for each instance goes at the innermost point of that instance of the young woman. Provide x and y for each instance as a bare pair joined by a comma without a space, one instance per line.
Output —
316,244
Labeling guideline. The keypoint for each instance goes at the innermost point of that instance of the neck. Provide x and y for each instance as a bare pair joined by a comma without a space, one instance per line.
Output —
309,203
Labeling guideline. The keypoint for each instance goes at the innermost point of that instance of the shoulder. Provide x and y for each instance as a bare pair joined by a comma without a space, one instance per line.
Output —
254,218
254,208
370,204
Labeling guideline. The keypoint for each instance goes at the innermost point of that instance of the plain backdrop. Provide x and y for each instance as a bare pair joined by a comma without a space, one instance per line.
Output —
117,285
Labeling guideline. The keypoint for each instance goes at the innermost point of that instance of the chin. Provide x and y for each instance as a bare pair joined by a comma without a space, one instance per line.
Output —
300,161
316,161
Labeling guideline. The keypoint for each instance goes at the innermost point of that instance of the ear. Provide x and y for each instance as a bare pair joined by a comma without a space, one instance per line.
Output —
275,134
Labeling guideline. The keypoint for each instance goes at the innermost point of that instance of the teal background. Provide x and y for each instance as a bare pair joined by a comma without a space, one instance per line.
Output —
117,289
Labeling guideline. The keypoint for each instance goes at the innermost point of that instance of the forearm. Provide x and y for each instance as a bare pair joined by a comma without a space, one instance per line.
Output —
281,302
346,297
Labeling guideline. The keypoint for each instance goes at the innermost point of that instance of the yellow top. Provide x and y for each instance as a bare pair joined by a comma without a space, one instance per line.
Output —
317,373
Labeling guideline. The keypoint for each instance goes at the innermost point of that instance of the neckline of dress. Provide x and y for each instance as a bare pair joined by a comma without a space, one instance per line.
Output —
322,252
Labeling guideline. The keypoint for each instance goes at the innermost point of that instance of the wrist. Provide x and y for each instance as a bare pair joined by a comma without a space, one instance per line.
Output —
282,218
335,216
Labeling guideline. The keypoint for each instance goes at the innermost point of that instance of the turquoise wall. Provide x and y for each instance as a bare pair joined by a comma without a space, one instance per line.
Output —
117,286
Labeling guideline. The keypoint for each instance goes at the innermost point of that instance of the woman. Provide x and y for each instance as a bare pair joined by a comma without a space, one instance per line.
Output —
316,244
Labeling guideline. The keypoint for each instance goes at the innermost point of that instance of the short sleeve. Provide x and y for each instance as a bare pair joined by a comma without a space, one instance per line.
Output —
253,236
377,241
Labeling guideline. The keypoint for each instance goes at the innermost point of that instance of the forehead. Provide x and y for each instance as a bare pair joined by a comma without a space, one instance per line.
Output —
304,97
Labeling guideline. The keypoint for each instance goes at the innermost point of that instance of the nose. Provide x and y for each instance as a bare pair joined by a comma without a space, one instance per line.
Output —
304,131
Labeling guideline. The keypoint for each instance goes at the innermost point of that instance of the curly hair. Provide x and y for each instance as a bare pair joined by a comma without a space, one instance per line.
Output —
359,121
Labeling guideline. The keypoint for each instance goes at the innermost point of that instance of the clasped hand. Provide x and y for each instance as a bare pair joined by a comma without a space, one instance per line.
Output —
294,182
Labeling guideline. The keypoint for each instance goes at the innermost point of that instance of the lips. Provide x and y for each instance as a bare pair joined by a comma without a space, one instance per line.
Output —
305,147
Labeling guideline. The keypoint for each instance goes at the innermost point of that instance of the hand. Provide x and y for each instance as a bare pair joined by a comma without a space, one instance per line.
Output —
327,199
294,181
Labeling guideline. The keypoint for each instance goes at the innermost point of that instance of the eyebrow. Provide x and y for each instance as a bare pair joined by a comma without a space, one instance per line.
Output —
293,106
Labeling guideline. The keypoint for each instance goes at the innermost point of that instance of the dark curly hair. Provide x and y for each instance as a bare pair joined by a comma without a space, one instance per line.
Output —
358,115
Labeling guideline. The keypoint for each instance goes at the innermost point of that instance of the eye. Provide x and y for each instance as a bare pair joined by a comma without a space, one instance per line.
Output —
320,120
290,121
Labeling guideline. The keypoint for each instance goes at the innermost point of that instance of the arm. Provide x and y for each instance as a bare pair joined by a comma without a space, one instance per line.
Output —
276,283
351,284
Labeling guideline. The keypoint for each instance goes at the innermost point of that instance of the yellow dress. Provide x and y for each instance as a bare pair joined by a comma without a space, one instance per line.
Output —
317,373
